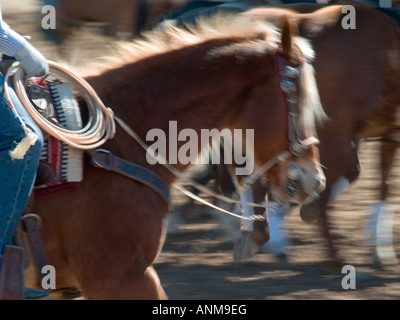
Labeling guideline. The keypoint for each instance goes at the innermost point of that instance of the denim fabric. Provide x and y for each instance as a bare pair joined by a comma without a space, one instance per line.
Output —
16,175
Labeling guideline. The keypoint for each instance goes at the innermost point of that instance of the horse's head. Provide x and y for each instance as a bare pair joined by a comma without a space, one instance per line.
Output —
295,172
300,178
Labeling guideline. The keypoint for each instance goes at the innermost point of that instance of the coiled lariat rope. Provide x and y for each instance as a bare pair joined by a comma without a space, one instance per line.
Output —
100,126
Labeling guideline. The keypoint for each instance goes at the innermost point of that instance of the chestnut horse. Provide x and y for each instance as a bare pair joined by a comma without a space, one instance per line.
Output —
104,236
358,76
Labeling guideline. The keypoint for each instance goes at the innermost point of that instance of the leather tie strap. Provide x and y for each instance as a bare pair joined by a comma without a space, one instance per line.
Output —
105,159
31,223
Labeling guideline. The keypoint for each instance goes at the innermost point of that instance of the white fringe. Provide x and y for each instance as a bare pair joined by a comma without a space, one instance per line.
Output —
24,145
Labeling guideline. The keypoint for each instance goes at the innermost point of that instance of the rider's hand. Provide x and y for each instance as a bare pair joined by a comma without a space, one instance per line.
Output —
32,61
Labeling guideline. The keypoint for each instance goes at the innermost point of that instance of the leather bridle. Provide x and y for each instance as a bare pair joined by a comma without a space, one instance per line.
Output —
297,146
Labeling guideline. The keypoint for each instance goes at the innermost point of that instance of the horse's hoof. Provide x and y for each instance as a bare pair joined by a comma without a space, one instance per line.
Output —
309,212
245,247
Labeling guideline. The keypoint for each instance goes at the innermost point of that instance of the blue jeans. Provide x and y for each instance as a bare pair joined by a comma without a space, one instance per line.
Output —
16,175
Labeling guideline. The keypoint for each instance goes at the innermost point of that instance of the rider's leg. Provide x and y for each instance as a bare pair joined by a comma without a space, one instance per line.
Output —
16,175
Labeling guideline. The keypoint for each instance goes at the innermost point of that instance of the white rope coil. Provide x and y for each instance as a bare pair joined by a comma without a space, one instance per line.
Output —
100,126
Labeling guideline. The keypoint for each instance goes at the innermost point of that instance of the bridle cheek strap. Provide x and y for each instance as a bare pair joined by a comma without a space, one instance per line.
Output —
296,145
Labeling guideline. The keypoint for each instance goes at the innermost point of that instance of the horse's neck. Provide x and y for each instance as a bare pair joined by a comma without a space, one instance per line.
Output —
185,91
195,85
161,122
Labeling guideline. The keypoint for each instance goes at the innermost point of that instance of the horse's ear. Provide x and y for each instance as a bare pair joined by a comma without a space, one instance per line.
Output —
288,30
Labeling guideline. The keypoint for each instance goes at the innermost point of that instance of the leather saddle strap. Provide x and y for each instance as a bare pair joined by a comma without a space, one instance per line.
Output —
31,224
105,159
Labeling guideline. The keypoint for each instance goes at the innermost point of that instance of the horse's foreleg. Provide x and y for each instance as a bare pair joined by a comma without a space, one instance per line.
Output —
133,284
147,287
254,233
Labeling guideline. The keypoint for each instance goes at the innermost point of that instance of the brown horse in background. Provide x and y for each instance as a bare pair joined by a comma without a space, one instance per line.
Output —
122,19
104,237
358,76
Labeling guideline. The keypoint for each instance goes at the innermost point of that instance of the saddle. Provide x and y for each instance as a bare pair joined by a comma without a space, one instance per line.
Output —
61,166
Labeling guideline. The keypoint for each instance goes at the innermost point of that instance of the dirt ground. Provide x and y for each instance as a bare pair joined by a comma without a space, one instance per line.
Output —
196,262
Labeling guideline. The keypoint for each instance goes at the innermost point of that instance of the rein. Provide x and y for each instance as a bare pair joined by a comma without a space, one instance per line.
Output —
179,174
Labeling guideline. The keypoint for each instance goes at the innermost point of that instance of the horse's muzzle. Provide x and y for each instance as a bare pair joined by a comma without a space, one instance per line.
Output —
302,189
318,187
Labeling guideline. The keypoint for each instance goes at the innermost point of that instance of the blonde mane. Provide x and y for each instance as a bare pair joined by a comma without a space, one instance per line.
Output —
169,37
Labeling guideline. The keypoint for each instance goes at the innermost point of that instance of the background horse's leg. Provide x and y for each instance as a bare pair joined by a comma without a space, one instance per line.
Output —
338,178
379,223
387,153
320,210
323,219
